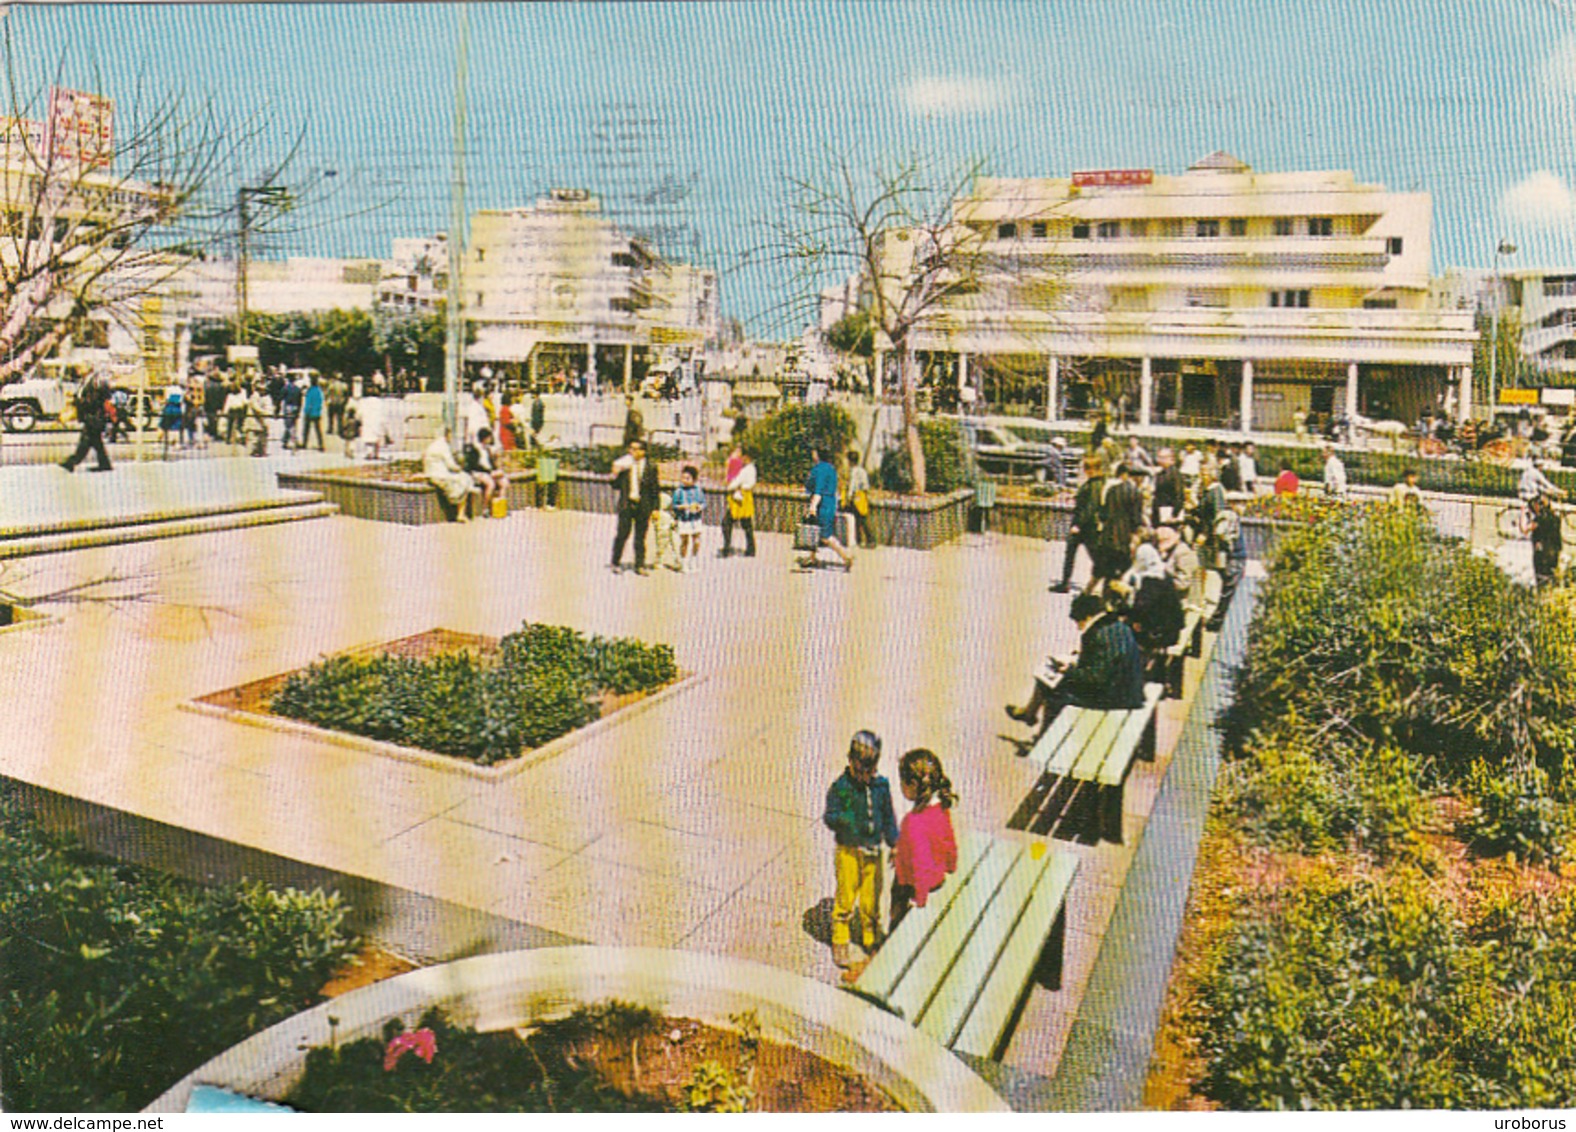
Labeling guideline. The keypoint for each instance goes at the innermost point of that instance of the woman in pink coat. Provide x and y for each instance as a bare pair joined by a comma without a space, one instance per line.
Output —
927,850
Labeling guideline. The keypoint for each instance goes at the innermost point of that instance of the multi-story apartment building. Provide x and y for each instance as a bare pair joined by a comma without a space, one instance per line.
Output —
416,278
1544,305
559,286
1217,296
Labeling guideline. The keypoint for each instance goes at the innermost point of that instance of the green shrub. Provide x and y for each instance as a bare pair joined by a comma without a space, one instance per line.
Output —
544,684
119,981
949,463
780,444
1514,813
470,1072
1375,993
1372,622
596,458
1383,469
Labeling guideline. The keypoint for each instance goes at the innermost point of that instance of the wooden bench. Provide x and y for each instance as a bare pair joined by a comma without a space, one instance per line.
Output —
960,967
1084,757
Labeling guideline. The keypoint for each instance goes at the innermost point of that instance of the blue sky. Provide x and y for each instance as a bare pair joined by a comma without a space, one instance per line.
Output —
1471,100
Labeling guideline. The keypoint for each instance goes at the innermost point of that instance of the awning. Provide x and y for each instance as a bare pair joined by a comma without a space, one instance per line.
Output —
501,344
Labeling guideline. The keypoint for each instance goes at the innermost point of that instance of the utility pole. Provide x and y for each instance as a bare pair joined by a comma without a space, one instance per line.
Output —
276,194
1505,248
454,356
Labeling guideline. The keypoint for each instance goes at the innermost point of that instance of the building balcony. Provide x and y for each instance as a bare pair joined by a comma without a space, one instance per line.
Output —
1537,339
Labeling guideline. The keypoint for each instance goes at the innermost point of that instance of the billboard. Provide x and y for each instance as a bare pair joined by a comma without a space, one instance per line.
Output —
1112,178
81,127
21,139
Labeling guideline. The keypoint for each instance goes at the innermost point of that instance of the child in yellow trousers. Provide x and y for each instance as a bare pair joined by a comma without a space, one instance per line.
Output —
859,814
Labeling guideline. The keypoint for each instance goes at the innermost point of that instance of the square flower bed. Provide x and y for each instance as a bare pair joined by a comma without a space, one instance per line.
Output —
456,698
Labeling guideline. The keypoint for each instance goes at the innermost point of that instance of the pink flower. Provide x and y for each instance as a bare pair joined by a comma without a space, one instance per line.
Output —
424,1042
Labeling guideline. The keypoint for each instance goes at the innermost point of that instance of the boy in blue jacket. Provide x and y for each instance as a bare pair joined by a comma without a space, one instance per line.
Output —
859,814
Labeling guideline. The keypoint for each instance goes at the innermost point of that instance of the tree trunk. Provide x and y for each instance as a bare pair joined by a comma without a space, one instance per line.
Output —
909,377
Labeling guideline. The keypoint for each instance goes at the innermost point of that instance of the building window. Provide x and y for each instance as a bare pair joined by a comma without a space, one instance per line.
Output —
1138,227
1171,228
1379,304
1110,229
1080,231
1288,298
1208,297
1283,226
1393,245
479,298
1038,230
1206,229
1239,226
1321,226
1006,231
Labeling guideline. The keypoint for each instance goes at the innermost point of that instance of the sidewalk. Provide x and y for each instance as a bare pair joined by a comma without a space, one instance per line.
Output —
45,496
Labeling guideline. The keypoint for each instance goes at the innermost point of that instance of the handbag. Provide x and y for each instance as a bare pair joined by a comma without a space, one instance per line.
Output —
861,504
807,536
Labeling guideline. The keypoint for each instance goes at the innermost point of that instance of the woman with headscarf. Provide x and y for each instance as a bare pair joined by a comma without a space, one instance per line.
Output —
1152,605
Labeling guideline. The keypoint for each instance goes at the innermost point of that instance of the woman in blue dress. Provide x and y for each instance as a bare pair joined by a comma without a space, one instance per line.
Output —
822,486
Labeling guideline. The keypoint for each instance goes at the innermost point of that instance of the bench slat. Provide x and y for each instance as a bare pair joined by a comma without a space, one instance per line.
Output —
1083,727
1111,724
1047,745
963,984
881,977
998,1001
925,974
1114,769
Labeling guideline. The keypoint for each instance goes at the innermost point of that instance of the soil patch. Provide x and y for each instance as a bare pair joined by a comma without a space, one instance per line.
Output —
371,965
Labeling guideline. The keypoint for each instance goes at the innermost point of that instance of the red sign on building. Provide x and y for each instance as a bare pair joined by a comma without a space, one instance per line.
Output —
1112,178
81,127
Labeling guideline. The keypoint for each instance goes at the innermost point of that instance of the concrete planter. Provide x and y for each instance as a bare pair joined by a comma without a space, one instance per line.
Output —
390,501
497,992
1031,518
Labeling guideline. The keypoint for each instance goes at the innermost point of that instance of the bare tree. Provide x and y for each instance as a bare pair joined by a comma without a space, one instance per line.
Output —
102,205
922,259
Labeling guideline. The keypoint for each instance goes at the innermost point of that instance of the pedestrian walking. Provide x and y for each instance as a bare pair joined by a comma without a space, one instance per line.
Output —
172,418
337,396
1085,529
213,393
235,414
822,488
92,401
635,480
1170,492
1547,540
859,814
289,402
312,403
1123,517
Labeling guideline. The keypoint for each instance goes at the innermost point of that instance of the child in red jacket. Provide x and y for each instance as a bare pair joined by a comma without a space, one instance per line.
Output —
926,849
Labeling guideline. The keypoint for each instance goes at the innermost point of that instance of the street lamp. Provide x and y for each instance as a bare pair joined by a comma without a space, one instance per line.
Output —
1505,248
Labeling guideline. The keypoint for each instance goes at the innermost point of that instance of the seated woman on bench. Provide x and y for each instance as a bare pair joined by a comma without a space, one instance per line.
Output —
1150,601
1106,675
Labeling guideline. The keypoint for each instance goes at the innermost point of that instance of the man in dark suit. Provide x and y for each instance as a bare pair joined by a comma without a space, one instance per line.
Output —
1107,674
1124,514
1169,494
93,417
635,480
1085,530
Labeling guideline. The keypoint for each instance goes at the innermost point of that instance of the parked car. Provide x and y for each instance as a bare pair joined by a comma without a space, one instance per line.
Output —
1001,450
25,403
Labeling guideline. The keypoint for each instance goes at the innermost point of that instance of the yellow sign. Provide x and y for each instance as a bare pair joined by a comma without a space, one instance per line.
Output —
1518,396
672,336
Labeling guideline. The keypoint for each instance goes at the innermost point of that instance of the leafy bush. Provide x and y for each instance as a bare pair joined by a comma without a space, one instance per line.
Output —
119,980
1514,813
1377,993
949,463
469,1072
596,458
1372,622
544,684
1381,468
780,444
1299,791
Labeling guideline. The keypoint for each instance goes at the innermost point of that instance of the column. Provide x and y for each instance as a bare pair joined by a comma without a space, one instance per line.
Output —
531,367
1247,396
1464,401
591,367
629,364
963,375
1146,392
1351,391
878,375
1053,388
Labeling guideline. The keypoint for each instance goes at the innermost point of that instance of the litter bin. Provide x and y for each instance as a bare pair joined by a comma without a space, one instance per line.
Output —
984,503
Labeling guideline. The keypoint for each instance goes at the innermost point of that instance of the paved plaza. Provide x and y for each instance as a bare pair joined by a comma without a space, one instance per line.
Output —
693,824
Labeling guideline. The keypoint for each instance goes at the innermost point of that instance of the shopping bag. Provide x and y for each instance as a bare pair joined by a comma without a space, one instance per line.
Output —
500,507
807,536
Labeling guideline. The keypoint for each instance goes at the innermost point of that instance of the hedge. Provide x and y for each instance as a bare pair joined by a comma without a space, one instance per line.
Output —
780,444
545,683
949,463
118,981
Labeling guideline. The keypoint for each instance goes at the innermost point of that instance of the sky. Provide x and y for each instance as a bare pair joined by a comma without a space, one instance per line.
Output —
688,119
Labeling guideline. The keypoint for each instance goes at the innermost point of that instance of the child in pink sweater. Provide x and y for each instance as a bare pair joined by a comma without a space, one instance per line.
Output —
926,848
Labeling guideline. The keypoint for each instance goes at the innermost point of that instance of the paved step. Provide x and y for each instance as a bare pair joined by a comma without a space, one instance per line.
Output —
229,519
164,514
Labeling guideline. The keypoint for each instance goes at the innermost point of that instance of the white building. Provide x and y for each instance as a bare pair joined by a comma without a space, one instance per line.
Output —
558,286
416,277
1217,296
1544,302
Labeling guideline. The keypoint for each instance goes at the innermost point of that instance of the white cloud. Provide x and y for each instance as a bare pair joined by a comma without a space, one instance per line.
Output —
1540,200
933,94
